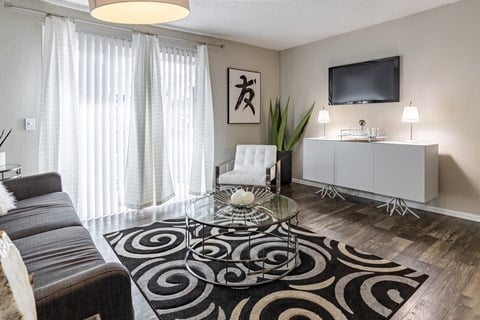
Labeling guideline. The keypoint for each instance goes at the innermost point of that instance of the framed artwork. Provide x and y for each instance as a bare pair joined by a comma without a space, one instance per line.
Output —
243,96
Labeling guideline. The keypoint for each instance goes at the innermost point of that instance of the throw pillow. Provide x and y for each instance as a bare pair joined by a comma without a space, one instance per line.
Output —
17,299
7,200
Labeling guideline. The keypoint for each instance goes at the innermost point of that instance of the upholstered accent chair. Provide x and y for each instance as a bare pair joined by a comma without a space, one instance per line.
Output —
254,165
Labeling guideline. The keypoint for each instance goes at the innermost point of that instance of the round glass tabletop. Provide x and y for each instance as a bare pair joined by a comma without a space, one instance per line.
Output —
216,211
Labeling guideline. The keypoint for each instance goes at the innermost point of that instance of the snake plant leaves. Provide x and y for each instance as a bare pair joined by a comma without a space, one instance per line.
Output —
279,121
299,130
283,127
4,138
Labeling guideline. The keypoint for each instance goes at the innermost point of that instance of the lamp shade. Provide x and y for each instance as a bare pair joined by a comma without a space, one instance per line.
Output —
139,12
323,116
410,114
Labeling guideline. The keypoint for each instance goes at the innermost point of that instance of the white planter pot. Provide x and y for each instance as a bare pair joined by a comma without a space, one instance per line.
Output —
2,158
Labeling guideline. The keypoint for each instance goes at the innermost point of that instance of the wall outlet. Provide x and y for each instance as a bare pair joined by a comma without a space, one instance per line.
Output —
30,124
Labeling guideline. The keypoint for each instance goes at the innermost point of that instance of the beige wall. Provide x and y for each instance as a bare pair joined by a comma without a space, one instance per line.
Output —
440,73
20,59
267,62
20,54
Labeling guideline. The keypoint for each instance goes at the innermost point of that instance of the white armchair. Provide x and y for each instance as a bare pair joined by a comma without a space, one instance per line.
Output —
254,165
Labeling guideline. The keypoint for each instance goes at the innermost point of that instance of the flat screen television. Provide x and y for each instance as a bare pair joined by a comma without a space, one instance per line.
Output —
365,82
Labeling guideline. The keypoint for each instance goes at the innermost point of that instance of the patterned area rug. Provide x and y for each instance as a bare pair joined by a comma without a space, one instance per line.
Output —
331,280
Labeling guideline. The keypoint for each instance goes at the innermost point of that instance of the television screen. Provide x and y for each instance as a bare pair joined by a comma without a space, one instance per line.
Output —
365,82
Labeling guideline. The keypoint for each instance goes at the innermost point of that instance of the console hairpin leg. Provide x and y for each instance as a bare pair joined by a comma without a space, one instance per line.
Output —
329,190
398,205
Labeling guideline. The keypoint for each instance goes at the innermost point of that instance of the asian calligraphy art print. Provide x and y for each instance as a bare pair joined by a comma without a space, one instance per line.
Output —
243,96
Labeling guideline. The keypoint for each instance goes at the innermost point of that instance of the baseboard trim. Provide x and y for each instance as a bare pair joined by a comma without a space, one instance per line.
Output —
448,212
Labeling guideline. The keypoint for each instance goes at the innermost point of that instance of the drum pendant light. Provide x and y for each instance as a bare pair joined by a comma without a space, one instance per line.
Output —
139,11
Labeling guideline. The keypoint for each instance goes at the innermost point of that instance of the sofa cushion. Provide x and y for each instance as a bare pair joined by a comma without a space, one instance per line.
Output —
40,214
58,254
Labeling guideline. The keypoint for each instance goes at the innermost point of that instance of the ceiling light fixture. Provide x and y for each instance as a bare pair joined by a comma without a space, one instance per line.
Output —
138,11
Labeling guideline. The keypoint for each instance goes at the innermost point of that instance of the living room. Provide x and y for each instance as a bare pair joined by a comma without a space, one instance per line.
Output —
116,229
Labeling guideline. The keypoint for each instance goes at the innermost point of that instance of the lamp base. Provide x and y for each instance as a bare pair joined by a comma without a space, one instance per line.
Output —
411,141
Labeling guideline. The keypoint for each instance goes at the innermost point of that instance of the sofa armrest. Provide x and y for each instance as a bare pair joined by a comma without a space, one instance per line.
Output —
33,186
104,290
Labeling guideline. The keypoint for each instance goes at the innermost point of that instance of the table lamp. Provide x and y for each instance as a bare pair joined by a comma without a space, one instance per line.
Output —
323,117
410,115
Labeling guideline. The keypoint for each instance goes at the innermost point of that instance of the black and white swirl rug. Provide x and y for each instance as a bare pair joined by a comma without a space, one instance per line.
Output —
331,280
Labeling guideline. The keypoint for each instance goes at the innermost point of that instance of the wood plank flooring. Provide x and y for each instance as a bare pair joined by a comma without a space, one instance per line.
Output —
446,248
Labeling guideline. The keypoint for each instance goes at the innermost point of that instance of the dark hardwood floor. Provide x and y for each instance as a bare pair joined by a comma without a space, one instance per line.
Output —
446,248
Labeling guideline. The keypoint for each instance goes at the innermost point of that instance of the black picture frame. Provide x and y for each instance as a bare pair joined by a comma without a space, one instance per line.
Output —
244,96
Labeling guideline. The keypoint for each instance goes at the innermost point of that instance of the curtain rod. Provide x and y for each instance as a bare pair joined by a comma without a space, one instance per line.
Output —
13,6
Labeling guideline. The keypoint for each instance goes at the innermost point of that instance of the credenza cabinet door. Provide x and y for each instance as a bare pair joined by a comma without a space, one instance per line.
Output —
406,171
354,165
318,160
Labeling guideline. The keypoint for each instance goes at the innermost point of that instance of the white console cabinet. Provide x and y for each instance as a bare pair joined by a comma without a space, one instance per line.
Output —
396,169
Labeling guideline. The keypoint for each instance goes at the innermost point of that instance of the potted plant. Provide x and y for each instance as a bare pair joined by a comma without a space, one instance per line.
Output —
281,138
3,138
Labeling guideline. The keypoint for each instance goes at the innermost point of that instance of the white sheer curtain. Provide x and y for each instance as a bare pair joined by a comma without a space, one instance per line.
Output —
188,110
126,123
104,105
84,115
203,128
148,180
58,145
181,93
178,69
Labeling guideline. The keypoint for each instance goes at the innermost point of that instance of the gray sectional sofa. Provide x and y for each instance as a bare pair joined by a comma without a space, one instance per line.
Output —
71,279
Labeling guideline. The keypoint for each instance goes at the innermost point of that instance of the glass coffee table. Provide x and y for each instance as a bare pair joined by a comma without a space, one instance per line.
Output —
10,171
241,246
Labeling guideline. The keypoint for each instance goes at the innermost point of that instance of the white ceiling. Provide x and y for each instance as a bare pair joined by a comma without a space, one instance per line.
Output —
283,24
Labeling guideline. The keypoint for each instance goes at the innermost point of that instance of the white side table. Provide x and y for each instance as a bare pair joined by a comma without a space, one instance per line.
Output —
10,171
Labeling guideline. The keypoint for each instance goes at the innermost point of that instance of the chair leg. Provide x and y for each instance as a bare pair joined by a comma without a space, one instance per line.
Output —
268,181
217,178
278,176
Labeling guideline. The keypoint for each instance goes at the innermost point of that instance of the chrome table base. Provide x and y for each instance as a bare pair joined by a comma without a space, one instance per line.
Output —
256,266
398,205
329,190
